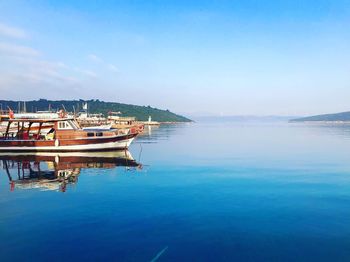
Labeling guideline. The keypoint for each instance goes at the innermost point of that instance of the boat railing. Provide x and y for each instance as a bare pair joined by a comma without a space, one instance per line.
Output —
4,112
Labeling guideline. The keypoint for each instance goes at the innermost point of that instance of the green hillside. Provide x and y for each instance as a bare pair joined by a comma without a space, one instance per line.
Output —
344,116
96,106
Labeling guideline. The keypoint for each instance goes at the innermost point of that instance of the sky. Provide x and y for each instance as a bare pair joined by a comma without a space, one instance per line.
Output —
277,57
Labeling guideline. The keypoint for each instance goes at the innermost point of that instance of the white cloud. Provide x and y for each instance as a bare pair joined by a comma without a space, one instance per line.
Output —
29,73
95,58
17,50
86,72
98,60
12,32
113,68
31,84
24,70
37,62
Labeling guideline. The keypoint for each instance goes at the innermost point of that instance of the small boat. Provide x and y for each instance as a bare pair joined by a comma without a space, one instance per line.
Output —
122,122
91,120
65,135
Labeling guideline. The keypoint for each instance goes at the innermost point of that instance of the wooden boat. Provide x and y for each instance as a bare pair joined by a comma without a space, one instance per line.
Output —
122,122
91,120
65,135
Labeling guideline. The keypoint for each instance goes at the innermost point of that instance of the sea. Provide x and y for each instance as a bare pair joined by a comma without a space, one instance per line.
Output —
204,191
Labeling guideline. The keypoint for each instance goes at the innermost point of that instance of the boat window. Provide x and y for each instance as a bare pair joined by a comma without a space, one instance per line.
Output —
90,134
99,134
64,125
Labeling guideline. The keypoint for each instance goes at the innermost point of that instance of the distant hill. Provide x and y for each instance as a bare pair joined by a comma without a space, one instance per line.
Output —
97,106
344,116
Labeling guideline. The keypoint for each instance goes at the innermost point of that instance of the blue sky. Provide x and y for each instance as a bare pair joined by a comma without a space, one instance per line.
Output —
194,57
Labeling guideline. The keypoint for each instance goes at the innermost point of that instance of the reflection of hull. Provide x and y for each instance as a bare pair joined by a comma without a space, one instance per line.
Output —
58,169
73,159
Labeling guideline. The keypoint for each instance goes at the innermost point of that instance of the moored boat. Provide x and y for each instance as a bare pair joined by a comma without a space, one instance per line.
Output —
65,135
86,120
122,122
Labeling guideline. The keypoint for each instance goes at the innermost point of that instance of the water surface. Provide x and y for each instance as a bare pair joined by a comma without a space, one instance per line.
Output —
194,192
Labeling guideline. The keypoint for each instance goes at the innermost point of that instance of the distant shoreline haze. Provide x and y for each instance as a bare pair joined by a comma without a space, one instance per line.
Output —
242,118
336,117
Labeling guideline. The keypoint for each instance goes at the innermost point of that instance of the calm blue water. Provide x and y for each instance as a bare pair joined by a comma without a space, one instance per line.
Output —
205,192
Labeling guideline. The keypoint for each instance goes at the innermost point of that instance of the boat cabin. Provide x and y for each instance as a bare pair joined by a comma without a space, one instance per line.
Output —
48,129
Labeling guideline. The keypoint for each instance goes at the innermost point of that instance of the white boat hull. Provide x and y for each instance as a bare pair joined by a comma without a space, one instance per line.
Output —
116,145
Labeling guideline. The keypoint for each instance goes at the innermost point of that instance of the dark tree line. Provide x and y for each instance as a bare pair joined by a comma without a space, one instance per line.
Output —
95,106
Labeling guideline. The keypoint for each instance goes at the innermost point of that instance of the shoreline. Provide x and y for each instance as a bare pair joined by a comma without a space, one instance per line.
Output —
320,122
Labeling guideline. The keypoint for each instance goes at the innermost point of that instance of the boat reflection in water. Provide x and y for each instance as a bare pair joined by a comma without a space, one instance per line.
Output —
54,171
